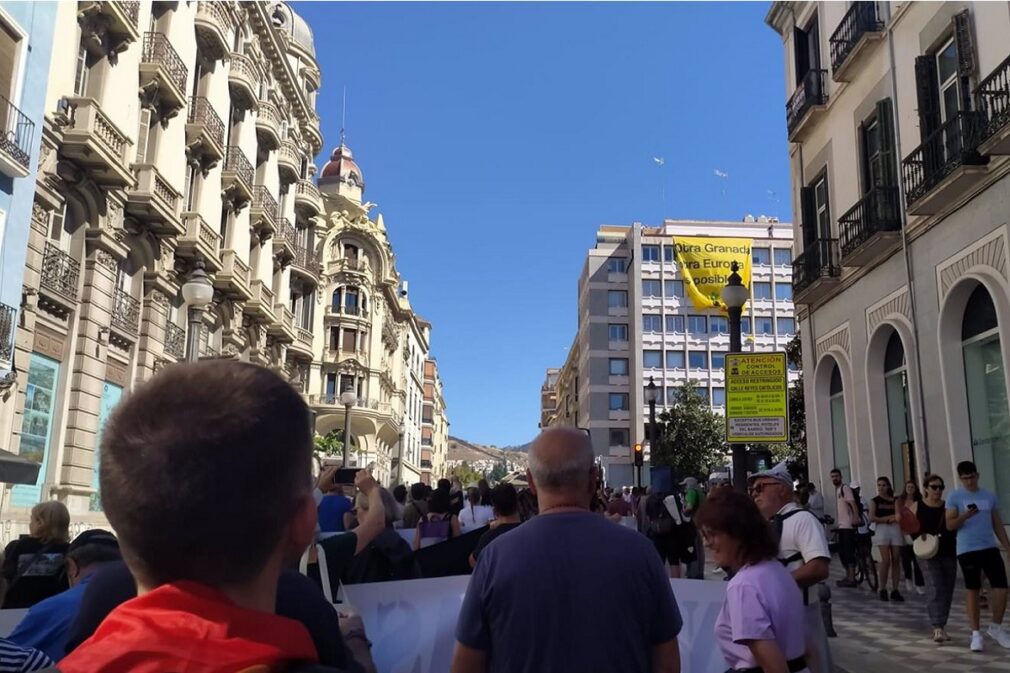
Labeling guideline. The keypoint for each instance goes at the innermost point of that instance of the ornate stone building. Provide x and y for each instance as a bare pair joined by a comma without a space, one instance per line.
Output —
210,159
369,340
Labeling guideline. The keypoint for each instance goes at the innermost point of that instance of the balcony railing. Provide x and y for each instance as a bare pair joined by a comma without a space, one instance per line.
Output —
949,147
175,341
306,188
425,464
809,93
875,213
818,260
60,272
131,9
307,259
202,112
857,22
286,232
235,161
125,311
16,132
157,49
304,336
7,323
992,99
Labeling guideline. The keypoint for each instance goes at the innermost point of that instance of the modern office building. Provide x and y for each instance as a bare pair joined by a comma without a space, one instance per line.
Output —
26,44
635,324
898,116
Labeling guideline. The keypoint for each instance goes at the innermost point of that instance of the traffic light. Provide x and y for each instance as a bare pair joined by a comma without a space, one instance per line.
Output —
639,455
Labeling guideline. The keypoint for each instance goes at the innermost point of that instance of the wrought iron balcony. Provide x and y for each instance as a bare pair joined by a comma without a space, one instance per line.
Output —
992,99
263,210
948,152
125,311
175,341
16,133
307,261
118,20
8,314
268,126
60,272
286,239
243,81
237,174
816,269
212,24
308,198
859,24
204,128
131,10
862,228
163,70
811,93
425,464
94,142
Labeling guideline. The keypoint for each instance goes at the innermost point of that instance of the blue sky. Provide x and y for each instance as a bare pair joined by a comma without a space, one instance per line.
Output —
496,138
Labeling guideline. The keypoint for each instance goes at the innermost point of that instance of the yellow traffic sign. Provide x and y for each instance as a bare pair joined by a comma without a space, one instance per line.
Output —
757,398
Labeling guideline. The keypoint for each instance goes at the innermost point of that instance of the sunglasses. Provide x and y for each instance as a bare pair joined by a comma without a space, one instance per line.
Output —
756,489
935,487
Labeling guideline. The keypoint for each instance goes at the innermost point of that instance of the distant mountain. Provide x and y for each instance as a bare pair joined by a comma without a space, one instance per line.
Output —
461,449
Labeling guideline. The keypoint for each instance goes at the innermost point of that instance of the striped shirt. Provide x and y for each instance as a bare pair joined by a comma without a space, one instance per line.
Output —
15,659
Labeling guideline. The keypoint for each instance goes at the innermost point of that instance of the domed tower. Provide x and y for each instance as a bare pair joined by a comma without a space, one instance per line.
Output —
341,176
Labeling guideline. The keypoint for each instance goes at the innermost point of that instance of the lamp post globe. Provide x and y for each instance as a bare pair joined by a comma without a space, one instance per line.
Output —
198,293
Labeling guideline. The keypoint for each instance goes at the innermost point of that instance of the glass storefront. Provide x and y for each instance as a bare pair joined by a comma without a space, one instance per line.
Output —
111,394
37,425
898,425
839,435
988,411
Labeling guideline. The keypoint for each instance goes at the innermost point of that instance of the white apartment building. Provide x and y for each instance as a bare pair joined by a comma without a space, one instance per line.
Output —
635,324
899,126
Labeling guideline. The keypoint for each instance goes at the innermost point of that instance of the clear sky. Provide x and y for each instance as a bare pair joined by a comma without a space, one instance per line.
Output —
496,138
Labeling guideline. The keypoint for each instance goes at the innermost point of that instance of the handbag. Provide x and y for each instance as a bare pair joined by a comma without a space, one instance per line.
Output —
908,521
926,546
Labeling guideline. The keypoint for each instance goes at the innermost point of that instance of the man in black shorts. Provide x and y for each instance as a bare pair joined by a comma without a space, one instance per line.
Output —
673,537
848,522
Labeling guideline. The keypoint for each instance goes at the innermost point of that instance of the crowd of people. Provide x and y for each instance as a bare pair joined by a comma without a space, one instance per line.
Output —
181,455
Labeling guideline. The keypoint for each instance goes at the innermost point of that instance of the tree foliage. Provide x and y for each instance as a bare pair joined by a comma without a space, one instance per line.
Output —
794,452
467,475
691,435
497,473
330,444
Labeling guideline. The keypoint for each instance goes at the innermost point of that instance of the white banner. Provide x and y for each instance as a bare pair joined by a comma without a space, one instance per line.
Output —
412,624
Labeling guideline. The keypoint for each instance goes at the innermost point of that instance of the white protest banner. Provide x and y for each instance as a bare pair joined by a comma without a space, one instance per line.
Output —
412,623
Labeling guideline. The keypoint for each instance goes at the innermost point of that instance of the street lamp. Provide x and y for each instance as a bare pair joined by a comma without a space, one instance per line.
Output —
734,295
198,292
651,395
347,398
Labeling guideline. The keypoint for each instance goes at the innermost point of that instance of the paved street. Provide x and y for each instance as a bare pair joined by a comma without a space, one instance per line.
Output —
874,636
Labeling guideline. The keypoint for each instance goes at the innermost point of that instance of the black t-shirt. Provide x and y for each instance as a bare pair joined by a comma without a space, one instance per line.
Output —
34,571
488,537
884,507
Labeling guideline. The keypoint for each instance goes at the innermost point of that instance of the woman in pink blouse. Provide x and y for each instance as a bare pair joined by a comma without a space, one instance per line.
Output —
760,628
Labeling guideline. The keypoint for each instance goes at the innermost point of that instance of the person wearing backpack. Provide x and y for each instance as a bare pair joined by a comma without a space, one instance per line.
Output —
665,529
848,520
802,549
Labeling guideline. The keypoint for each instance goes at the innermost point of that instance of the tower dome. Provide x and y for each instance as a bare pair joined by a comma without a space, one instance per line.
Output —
341,175
295,27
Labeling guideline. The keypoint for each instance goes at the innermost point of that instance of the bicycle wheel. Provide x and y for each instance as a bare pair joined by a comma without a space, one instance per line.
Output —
871,569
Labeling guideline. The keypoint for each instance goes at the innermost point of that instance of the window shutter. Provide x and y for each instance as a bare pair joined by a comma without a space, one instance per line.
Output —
885,122
808,216
864,159
964,41
927,95
142,133
802,54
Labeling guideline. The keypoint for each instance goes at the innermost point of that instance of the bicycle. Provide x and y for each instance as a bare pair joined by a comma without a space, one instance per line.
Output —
866,567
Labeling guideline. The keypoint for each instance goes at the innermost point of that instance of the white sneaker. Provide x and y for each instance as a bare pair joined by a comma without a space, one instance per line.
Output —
1000,635
920,591
976,641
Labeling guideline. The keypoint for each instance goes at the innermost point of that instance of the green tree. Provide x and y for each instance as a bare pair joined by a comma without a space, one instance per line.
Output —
497,473
793,452
330,444
466,474
692,437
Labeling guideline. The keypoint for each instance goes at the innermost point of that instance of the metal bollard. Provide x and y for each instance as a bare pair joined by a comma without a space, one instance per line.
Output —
824,596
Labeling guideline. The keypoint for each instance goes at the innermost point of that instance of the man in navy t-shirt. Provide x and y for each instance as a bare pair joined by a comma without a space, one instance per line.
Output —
331,510
533,602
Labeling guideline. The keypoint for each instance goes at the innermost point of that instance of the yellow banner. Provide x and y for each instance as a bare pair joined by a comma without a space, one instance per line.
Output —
704,265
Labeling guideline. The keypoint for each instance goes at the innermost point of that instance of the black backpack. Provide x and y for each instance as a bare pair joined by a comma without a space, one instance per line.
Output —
778,523
660,521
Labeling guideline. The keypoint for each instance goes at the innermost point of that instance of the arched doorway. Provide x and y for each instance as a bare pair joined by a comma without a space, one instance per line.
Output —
899,426
839,434
985,382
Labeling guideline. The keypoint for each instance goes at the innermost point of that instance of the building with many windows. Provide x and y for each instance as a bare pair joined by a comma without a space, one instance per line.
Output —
173,132
636,325
899,129
434,426
26,36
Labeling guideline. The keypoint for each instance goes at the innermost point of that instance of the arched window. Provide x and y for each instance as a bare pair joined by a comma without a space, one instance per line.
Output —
898,422
350,252
839,434
985,381
336,299
351,301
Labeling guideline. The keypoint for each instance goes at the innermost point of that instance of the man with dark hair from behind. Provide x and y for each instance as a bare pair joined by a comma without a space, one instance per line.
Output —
46,625
179,458
505,501
417,508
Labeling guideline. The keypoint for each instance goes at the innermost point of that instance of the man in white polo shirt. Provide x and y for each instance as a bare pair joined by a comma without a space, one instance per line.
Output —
803,550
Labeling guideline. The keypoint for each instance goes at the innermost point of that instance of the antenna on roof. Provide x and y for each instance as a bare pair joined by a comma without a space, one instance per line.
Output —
343,118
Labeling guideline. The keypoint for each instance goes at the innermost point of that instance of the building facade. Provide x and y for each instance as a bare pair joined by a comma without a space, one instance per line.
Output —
549,397
434,426
172,132
898,125
368,339
26,36
636,325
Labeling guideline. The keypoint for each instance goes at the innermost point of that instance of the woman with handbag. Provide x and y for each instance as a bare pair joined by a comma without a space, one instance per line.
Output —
935,547
909,528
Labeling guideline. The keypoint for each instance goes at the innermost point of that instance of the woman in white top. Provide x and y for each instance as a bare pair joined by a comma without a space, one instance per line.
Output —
475,514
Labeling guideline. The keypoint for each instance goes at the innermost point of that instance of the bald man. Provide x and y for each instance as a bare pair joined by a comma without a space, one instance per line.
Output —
533,602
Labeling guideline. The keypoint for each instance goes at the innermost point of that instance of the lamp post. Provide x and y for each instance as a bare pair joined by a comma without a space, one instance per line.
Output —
198,292
347,398
399,460
734,295
651,395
